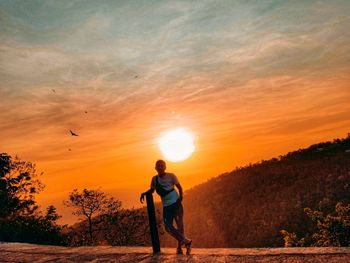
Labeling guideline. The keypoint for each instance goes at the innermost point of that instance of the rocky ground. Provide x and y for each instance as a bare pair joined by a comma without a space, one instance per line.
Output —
23,252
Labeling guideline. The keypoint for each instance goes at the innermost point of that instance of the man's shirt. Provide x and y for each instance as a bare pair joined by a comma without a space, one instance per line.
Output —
167,182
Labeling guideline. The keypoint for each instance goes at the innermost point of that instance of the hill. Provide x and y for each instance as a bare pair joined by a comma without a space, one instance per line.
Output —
249,205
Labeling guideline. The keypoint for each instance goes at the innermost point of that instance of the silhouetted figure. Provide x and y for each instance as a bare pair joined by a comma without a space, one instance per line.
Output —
136,77
70,149
164,183
54,90
85,111
73,134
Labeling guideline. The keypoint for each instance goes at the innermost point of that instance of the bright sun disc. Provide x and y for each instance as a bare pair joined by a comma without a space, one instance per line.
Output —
176,145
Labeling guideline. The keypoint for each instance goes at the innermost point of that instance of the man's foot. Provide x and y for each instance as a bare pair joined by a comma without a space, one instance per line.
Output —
179,250
188,247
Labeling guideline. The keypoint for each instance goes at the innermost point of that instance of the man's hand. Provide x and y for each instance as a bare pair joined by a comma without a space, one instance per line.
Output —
142,197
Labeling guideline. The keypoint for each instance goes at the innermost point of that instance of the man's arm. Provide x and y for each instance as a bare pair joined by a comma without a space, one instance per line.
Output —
178,185
142,197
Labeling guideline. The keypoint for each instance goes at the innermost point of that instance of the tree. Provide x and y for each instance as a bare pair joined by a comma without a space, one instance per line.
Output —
92,203
332,229
291,239
20,218
18,185
129,227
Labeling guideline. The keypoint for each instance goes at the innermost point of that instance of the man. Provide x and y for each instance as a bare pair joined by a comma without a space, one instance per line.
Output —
164,183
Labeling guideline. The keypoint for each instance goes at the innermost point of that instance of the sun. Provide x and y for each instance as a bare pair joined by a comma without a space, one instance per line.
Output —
176,145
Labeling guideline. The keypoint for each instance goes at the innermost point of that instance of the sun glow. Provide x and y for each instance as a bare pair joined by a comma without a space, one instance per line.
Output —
176,145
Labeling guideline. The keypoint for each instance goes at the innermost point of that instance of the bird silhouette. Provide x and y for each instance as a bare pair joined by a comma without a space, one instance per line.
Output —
136,77
54,90
73,134
70,149
85,111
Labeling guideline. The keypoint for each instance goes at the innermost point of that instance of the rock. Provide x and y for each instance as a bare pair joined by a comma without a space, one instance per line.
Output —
24,252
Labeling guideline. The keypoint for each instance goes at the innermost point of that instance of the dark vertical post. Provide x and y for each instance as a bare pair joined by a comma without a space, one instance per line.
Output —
152,223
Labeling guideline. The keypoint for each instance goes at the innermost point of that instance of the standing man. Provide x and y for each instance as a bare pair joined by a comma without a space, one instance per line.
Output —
164,183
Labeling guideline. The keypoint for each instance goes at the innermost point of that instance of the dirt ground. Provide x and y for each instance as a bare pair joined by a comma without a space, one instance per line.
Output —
23,252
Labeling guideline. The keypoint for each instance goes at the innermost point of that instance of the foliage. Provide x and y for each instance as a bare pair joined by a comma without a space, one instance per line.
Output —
20,218
92,203
291,239
41,229
127,227
332,229
18,185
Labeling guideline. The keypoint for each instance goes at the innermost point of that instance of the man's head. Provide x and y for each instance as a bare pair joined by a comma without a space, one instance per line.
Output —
160,166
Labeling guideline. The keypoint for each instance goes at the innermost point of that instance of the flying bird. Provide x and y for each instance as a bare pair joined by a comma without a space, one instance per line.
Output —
136,77
73,134
85,111
70,149
54,90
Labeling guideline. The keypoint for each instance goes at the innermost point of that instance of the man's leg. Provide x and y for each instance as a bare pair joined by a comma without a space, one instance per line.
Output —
179,222
180,227
169,213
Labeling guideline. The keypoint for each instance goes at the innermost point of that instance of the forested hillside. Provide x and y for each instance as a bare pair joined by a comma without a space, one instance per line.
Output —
248,206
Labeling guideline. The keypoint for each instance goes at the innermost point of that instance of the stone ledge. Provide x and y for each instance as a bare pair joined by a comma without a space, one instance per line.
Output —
24,252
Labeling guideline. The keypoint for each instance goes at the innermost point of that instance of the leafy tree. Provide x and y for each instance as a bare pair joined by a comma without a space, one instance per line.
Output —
92,203
291,239
18,185
332,229
20,218
38,228
130,227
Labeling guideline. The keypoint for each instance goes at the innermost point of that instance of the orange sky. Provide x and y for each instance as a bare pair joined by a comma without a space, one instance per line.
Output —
251,81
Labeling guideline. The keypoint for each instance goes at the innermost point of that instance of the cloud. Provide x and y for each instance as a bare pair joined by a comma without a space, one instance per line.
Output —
197,59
